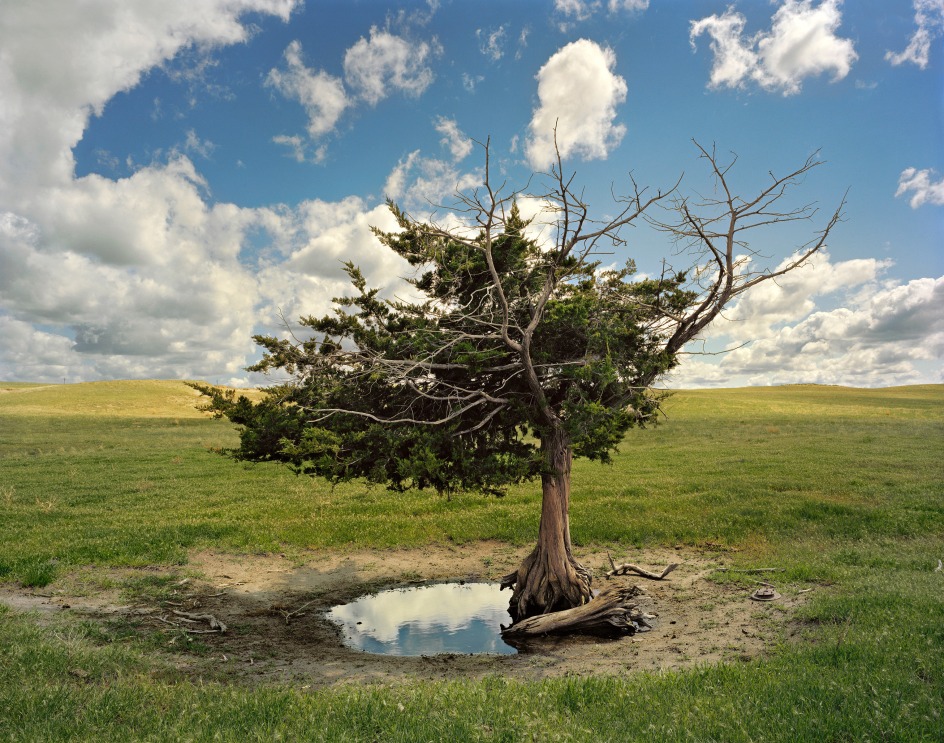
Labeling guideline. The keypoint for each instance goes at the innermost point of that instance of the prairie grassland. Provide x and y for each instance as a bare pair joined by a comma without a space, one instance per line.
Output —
843,488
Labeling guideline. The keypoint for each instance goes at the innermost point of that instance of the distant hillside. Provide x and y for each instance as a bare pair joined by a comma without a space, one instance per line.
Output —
174,399
124,399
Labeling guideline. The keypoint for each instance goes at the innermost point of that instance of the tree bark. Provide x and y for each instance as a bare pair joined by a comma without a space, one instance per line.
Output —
550,578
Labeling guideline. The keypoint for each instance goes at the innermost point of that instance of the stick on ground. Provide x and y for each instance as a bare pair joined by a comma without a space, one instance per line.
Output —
627,568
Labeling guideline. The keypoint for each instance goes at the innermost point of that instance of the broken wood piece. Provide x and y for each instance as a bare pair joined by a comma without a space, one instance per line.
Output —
215,624
627,568
188,630
295,613
610,613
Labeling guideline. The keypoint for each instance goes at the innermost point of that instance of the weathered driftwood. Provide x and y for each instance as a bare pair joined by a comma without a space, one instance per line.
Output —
610,613
627,568
215,624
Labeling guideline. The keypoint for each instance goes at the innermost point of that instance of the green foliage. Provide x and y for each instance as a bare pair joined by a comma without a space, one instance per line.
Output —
509,344
37,573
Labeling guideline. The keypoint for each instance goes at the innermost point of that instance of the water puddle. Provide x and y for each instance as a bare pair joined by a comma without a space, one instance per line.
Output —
427,620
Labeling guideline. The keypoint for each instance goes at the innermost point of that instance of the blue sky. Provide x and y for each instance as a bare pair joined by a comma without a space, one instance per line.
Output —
177,176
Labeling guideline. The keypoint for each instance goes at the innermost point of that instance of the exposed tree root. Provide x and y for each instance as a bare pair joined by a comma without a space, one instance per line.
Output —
547,581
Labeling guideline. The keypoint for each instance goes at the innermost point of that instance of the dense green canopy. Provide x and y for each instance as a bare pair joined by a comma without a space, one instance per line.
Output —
434,393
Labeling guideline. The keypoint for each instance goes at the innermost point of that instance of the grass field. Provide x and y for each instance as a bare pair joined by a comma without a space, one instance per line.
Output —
844,488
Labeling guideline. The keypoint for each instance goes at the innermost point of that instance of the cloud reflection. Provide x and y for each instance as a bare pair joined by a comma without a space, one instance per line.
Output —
427,620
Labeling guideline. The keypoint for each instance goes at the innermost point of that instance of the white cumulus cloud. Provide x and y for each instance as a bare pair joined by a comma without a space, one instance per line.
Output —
418,182
876,341
924,189
801,43
791,297
144,275
318,237
322,95
881,333
630,5
581,10
578,94
62,61
929,19
458,144
384,63
373,69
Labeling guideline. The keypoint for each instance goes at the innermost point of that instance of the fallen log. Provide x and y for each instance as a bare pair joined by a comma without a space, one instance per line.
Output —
610,613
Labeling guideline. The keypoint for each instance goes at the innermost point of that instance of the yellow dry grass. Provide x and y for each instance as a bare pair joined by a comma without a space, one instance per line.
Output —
149,398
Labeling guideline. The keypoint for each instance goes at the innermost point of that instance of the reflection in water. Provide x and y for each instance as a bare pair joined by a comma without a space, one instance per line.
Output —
427,620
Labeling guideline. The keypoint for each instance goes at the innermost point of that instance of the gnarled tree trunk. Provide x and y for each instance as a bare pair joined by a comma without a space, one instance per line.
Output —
550,578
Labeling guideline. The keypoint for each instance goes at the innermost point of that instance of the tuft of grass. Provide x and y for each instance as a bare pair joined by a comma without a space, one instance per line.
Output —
35,572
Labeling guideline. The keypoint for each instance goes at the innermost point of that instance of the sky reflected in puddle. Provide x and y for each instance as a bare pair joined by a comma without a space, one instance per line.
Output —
427,620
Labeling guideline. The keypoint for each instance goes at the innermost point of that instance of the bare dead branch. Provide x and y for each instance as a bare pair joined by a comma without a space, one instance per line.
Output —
627,568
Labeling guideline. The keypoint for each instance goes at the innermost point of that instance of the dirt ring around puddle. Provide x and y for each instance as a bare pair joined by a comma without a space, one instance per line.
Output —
274,609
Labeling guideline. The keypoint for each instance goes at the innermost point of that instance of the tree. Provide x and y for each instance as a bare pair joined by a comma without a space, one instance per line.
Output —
519,353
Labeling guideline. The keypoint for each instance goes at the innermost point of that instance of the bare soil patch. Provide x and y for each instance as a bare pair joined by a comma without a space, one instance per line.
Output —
274,605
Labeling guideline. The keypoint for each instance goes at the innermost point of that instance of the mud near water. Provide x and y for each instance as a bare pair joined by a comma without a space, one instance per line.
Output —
274,608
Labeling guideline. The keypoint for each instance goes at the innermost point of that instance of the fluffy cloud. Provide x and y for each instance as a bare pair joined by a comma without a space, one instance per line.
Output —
929,19
802,43
318,237
792,296
578,93
418,182
100,47
372,70
144,275
385,62
321,94
458,144
925,190
877,341
883,333
141,277
630,5
580,10
140,269
39,356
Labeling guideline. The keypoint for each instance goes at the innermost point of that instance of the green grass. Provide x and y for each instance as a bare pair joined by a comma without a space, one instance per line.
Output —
839,486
